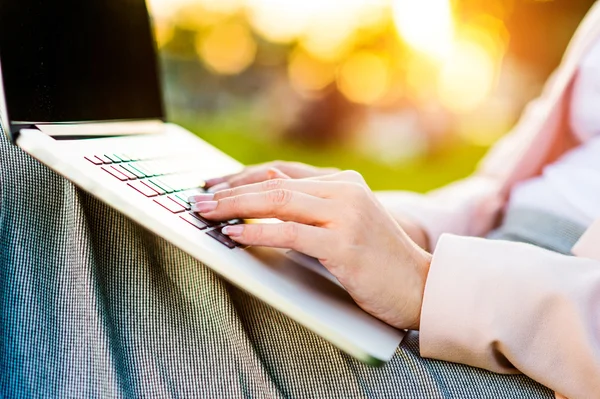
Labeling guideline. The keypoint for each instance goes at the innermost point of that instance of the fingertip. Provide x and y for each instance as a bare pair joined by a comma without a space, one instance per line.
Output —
233,231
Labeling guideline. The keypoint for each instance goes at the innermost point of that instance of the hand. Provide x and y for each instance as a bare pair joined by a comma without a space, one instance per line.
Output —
267,171
338,220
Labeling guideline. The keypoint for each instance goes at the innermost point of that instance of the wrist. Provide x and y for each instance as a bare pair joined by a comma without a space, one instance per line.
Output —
423,264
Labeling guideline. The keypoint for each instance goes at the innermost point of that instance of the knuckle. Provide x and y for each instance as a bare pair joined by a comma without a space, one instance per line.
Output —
354,176
253,233
259,232
274,184
234,203
356,190
289,233
280,196
227,193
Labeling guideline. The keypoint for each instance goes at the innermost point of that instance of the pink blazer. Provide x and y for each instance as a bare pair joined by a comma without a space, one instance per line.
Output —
510,307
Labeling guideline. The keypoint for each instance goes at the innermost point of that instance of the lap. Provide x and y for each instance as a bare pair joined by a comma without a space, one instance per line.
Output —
94,305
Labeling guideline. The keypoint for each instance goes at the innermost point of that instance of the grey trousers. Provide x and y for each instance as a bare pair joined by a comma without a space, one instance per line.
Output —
94,306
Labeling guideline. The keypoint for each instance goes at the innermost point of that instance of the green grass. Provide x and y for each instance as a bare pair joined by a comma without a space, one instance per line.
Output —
245,141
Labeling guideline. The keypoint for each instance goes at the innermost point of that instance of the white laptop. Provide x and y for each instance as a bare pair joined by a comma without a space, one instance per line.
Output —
80,91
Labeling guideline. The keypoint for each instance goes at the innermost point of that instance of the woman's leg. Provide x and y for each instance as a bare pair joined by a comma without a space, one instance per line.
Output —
93,305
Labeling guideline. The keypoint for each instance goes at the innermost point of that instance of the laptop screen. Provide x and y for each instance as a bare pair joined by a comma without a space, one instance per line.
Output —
78,60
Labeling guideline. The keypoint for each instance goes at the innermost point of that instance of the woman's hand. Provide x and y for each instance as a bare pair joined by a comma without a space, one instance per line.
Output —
336,219
268,171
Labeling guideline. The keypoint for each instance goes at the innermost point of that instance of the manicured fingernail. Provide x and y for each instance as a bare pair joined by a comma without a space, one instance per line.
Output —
204,207
219,187
233,231
201,198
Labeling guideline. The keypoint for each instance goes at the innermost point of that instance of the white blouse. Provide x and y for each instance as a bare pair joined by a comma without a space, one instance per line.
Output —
570,187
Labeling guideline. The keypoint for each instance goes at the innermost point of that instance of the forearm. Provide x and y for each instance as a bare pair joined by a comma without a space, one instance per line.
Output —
467,207
506,306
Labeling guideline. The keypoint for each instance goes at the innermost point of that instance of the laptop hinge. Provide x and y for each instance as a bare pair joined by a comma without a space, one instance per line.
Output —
102,129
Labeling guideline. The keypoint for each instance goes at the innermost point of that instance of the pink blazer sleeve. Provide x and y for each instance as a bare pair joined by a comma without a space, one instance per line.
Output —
472,206
511,307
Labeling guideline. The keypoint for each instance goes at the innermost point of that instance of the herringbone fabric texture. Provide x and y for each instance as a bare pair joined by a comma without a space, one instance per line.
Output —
94,306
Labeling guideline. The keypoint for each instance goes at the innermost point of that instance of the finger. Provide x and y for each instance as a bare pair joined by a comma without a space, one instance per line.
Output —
218,187
315,188
349,176
250,177
297,170
310,240
247,170
257,175
281,204
217,180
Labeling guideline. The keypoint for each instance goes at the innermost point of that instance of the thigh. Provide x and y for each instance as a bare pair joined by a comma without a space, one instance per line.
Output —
304,365
92,305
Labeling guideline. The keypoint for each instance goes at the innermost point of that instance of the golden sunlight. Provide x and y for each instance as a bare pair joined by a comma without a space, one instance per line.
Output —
364,78
467,77
425,25
228,49
308,74
281,21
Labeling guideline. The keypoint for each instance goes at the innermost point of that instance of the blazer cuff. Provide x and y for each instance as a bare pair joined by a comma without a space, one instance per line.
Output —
455,318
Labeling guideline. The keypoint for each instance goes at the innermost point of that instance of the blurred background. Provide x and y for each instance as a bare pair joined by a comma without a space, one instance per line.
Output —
411,93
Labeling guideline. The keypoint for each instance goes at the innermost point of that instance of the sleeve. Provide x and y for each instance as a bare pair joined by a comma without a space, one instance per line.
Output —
471,206
511,307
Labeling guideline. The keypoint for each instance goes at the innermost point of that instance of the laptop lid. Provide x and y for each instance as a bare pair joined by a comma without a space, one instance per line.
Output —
74,61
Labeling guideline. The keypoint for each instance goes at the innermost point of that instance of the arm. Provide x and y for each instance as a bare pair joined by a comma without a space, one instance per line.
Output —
507,306
503,306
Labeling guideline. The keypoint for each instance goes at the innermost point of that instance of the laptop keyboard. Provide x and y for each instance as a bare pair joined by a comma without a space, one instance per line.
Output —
168,181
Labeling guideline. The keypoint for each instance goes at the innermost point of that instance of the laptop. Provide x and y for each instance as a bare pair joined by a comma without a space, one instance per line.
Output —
80,91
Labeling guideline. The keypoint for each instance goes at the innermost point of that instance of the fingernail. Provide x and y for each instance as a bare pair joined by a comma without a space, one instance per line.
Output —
219,187
204,207
201,198
233,231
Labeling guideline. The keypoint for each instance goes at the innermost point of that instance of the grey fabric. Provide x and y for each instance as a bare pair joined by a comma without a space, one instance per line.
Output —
92,305
539,228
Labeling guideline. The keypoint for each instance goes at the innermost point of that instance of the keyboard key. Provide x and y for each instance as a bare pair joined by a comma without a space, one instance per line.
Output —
141,168
154,187
142,188
133,171
190,193
184,182
113,158
210,223
94,160
169,204
103,159
123,157
222,238
162,184
194,221
184,204
115,173
127,173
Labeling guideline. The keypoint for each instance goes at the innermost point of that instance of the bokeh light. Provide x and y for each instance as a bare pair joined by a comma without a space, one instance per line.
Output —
309,74
426,25
391,80
364,78
467,77
227,49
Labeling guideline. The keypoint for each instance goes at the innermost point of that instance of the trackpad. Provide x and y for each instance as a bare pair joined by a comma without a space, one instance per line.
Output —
313,265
